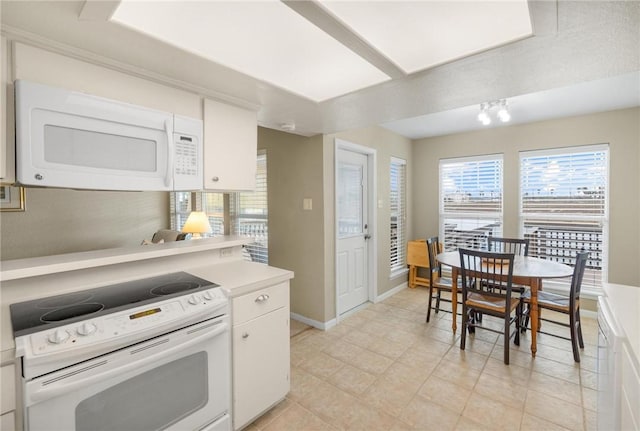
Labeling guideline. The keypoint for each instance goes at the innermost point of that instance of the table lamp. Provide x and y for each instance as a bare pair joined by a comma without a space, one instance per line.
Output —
197,223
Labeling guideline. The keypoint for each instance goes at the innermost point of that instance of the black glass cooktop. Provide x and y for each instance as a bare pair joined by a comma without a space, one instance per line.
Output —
50,312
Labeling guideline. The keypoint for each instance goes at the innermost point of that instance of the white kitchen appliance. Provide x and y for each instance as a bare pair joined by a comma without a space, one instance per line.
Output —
609,368
147,354
76,140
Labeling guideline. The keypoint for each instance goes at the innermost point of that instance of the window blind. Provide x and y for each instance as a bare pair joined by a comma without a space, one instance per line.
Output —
563,206
470,201
398,210
249,213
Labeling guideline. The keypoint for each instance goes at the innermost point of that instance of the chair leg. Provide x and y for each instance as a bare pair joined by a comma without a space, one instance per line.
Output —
516,337
507,324
438,301
525,319
465,324
573,324
430,299
580,341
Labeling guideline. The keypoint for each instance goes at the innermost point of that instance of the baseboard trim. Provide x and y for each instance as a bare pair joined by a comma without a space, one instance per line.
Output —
389,293
316,324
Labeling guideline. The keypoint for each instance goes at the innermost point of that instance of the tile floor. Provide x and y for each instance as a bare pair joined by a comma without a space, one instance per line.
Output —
384,368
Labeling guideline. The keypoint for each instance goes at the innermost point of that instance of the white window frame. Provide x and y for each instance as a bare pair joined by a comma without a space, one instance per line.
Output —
398,253
590,287
470,216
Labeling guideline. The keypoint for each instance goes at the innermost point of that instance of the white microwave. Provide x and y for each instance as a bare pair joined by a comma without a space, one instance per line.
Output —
75,140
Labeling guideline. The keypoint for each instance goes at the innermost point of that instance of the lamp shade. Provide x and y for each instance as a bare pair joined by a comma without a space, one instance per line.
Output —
197,223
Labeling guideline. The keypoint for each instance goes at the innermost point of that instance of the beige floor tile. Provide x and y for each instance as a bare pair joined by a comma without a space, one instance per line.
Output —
589,399
534,423
589,379
302,384
466,424
444,393
376,328
359,338
509,391
297,418
492,413
272,413
426,415
466,358
364,418
570,373
454,373
388,348
352,379
557,388
328,402
591,420
322,365
388,396
554,410
400,336
513,372
296,327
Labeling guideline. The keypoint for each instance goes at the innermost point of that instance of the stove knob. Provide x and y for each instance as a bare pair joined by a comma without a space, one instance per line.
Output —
87,328
193,300
59,336
208,296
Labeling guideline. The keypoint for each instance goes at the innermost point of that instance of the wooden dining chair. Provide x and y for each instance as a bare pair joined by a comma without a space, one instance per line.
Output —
563,304
437,283
517,246
481,271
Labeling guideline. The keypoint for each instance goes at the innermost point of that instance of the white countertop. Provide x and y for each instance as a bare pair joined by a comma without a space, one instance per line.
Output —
31,267
624,302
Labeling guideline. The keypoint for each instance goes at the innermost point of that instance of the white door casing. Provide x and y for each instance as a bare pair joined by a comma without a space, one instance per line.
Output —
353,226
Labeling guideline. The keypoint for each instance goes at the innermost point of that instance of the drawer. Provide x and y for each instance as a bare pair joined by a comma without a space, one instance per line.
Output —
255,304
8,379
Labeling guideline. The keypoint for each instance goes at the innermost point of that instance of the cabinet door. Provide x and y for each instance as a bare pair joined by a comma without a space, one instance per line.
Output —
230,147
630,391
260,364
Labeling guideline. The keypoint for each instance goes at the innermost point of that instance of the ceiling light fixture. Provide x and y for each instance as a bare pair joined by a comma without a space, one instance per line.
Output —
502,111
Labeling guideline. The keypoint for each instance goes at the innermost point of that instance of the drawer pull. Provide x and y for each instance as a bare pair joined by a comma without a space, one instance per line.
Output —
245,335
262,298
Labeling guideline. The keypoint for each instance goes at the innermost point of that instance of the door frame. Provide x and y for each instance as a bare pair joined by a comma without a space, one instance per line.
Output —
372,217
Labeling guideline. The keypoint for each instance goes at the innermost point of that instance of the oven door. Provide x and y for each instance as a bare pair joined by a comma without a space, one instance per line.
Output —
179,380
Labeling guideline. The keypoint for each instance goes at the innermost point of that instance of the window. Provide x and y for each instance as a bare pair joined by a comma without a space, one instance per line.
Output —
398,209
470,201
563,206
246,212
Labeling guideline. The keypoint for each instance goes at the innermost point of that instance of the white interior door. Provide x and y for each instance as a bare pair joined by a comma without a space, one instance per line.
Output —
352,226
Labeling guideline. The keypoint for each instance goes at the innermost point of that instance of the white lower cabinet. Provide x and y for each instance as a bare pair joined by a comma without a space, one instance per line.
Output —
261,360
630,391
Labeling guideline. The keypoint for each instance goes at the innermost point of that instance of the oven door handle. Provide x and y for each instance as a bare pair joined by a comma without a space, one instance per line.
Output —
39,392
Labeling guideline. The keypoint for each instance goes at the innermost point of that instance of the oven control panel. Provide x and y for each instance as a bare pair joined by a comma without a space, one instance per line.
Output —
119,325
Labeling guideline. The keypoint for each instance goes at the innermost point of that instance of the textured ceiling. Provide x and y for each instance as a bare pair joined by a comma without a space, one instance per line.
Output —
573,42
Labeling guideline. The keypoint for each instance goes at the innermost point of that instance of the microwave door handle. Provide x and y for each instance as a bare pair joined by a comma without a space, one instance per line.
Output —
169,176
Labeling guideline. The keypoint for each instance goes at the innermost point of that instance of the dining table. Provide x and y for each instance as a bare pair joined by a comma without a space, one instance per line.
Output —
527,271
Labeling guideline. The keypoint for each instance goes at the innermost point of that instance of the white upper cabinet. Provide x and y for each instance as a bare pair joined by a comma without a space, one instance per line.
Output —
230,147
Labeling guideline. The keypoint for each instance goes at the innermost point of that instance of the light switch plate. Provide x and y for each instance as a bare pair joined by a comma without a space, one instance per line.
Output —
307,204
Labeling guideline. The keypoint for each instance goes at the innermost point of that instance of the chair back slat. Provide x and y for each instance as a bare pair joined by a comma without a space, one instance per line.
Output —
433,248
578,275
486,273
517,246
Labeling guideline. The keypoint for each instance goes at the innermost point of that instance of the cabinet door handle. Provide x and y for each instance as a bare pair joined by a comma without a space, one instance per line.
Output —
215,179
245,335
262,298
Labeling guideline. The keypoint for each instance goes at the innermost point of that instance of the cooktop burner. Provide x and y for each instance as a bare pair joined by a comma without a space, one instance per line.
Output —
50,312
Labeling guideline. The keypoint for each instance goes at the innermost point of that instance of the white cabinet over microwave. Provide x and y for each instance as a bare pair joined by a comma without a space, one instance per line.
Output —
76,140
